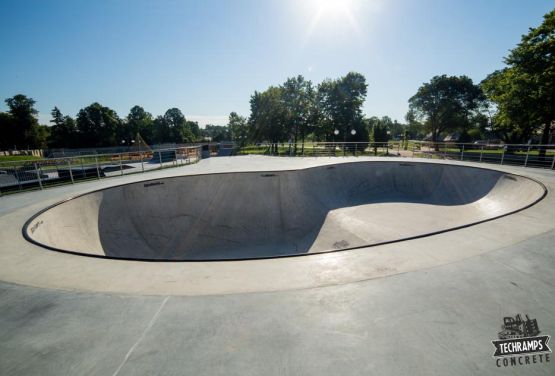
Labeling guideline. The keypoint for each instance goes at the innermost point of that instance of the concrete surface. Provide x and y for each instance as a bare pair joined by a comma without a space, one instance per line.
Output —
255,214
428,306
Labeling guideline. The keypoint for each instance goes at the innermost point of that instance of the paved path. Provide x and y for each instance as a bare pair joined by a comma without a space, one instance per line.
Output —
384,310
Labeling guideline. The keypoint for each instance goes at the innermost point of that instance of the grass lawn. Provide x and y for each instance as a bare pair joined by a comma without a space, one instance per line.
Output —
549,153
15,158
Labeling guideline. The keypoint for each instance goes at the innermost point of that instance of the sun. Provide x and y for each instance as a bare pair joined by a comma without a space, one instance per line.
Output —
330,16
332,7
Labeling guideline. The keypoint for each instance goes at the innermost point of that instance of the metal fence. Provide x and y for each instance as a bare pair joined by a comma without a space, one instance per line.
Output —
17,176
20,176
527,155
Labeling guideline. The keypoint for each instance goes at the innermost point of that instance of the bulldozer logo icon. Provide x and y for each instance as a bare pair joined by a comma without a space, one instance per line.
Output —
519,342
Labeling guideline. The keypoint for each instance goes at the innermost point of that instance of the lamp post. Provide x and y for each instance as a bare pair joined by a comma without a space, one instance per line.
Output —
335,133
353,133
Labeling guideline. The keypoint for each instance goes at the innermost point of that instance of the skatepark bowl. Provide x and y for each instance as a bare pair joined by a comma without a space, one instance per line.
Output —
248,215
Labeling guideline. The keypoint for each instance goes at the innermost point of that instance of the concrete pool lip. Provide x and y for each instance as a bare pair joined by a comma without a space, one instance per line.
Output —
32,223
24,263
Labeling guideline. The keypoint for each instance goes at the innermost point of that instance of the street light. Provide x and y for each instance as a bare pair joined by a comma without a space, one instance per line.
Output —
335,133
353,132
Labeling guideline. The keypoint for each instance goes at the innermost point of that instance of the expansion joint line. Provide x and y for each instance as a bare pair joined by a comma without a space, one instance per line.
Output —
145,331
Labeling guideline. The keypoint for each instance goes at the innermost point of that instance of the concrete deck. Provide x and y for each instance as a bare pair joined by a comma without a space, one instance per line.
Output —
424,306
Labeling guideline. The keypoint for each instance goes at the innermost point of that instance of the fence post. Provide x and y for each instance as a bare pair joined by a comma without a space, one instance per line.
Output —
356,149
38,175
17,177
160,158
70,172
527,154
503,155
142,161
120,165
462,153
553,163
97,169
481,152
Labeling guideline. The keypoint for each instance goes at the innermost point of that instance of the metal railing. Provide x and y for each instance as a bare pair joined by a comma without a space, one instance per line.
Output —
18,176
527,155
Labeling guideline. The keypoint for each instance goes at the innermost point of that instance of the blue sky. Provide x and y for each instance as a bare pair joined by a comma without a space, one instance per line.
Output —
207,57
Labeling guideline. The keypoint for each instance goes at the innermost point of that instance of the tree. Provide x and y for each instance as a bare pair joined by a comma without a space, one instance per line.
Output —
7,131
138,121
446,102
268,119
524,91
509,93
216,133
397,129
97,126
379,130
41,136
415,128
181,132
162,131
340,106
23,128
238,128
298,98
173,127
195,130
63,131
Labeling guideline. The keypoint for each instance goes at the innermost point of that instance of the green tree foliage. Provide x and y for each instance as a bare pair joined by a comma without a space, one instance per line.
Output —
446,103
20,127
379,131
216,133
298,98
97,125
415,129
340,107
397,129
138,121
195,130
7,131
238,128
524,91
293,110
63,132
269,118
41,136
173,127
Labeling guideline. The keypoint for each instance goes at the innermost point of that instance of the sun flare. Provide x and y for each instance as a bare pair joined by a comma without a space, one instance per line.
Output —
333,7
329,15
